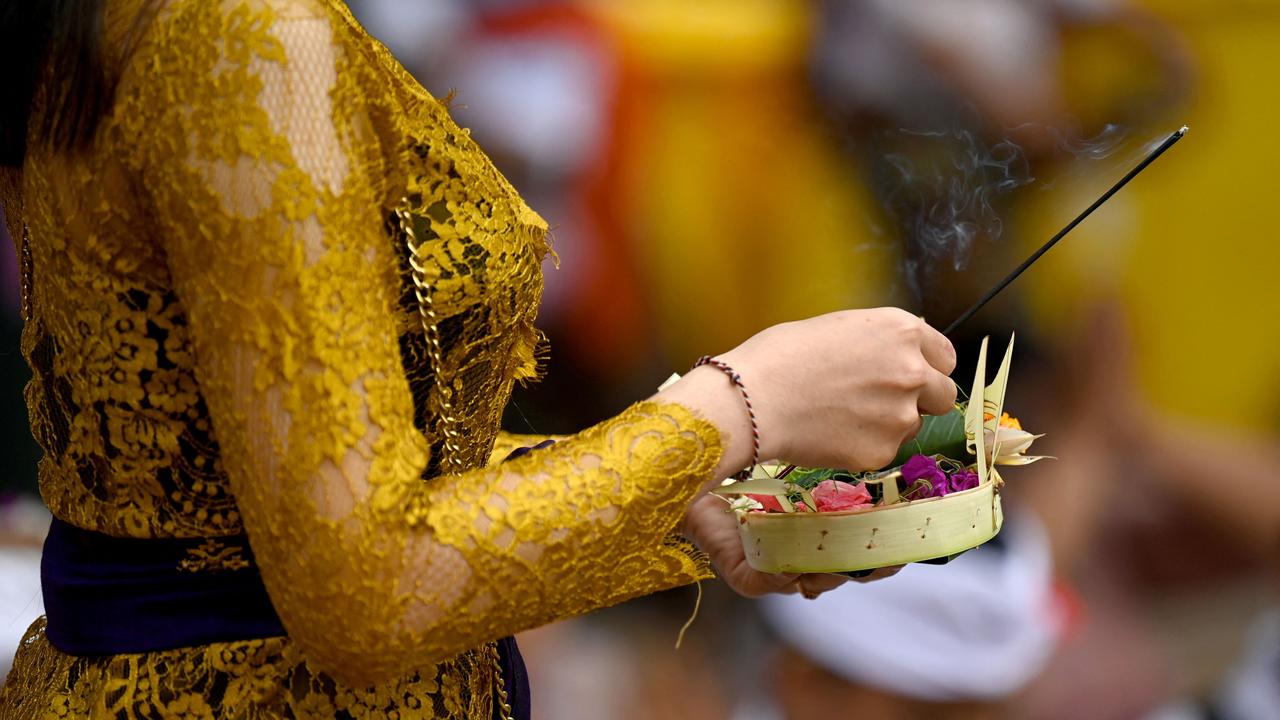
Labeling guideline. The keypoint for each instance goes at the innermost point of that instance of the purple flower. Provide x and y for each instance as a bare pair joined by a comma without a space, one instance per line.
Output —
963,480
923,467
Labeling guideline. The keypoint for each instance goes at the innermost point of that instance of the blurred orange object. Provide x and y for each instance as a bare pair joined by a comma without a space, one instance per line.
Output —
738,207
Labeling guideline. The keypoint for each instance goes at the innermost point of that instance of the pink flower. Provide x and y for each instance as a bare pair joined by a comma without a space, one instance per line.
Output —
833,495
769,502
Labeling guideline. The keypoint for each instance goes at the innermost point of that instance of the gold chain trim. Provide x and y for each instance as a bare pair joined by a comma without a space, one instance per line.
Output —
430,327
499,685
27,274
448,429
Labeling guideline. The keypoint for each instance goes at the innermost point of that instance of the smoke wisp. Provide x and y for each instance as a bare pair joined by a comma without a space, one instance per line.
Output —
947,190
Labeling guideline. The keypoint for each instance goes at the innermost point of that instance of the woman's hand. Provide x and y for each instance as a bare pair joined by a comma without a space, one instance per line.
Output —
710,526
841,390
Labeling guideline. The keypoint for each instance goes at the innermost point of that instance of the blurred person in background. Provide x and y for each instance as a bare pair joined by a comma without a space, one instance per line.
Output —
1231,483
269,289
1180,576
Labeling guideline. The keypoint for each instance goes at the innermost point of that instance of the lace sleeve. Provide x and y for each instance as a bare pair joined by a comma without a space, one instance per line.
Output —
265,171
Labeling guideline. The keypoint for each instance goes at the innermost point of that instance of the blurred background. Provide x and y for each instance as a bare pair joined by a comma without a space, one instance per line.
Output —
711,168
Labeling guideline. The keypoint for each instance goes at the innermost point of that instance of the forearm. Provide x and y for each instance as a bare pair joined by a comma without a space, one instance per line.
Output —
709,394
439,568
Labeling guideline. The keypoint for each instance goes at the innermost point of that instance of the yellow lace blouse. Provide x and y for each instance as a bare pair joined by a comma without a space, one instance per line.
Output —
284,294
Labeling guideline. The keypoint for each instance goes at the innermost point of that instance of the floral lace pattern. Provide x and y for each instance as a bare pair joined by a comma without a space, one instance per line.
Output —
254,680
226,337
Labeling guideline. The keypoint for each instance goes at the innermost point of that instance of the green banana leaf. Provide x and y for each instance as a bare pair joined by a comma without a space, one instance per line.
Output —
939,435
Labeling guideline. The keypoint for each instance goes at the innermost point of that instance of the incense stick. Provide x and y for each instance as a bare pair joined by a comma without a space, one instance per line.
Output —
1150,158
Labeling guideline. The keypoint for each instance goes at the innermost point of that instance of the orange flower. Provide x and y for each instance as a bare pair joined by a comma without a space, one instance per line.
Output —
1007,421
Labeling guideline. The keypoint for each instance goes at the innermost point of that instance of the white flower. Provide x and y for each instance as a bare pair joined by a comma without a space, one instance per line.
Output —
1011,445
742,503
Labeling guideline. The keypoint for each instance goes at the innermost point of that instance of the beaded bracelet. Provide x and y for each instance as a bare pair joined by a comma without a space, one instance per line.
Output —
746,398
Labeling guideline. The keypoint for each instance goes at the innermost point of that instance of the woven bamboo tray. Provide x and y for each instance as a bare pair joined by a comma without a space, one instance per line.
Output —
882,536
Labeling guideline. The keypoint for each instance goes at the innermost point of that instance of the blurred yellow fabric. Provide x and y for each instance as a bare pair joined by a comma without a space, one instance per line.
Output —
749,211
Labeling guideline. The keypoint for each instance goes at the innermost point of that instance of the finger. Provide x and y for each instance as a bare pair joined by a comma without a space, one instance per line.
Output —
938,395
818,583
879,574
785,583
938,350
912,431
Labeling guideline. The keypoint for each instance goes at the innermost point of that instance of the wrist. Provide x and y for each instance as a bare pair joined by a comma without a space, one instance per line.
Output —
735,379
711,395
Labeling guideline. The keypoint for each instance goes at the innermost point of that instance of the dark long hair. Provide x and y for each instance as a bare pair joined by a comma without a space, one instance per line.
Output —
55,47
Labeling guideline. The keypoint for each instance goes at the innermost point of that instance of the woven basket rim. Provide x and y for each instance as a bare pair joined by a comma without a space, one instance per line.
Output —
787,517
960,523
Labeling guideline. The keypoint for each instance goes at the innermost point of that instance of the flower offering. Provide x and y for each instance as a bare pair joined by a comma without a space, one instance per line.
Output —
939,496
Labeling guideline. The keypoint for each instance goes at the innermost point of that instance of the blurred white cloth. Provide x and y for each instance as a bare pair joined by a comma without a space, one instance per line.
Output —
25,519
20,601
978,628
541,98
1252,688
420,34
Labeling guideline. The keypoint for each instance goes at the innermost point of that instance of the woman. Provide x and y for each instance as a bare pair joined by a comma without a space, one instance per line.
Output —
275,301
